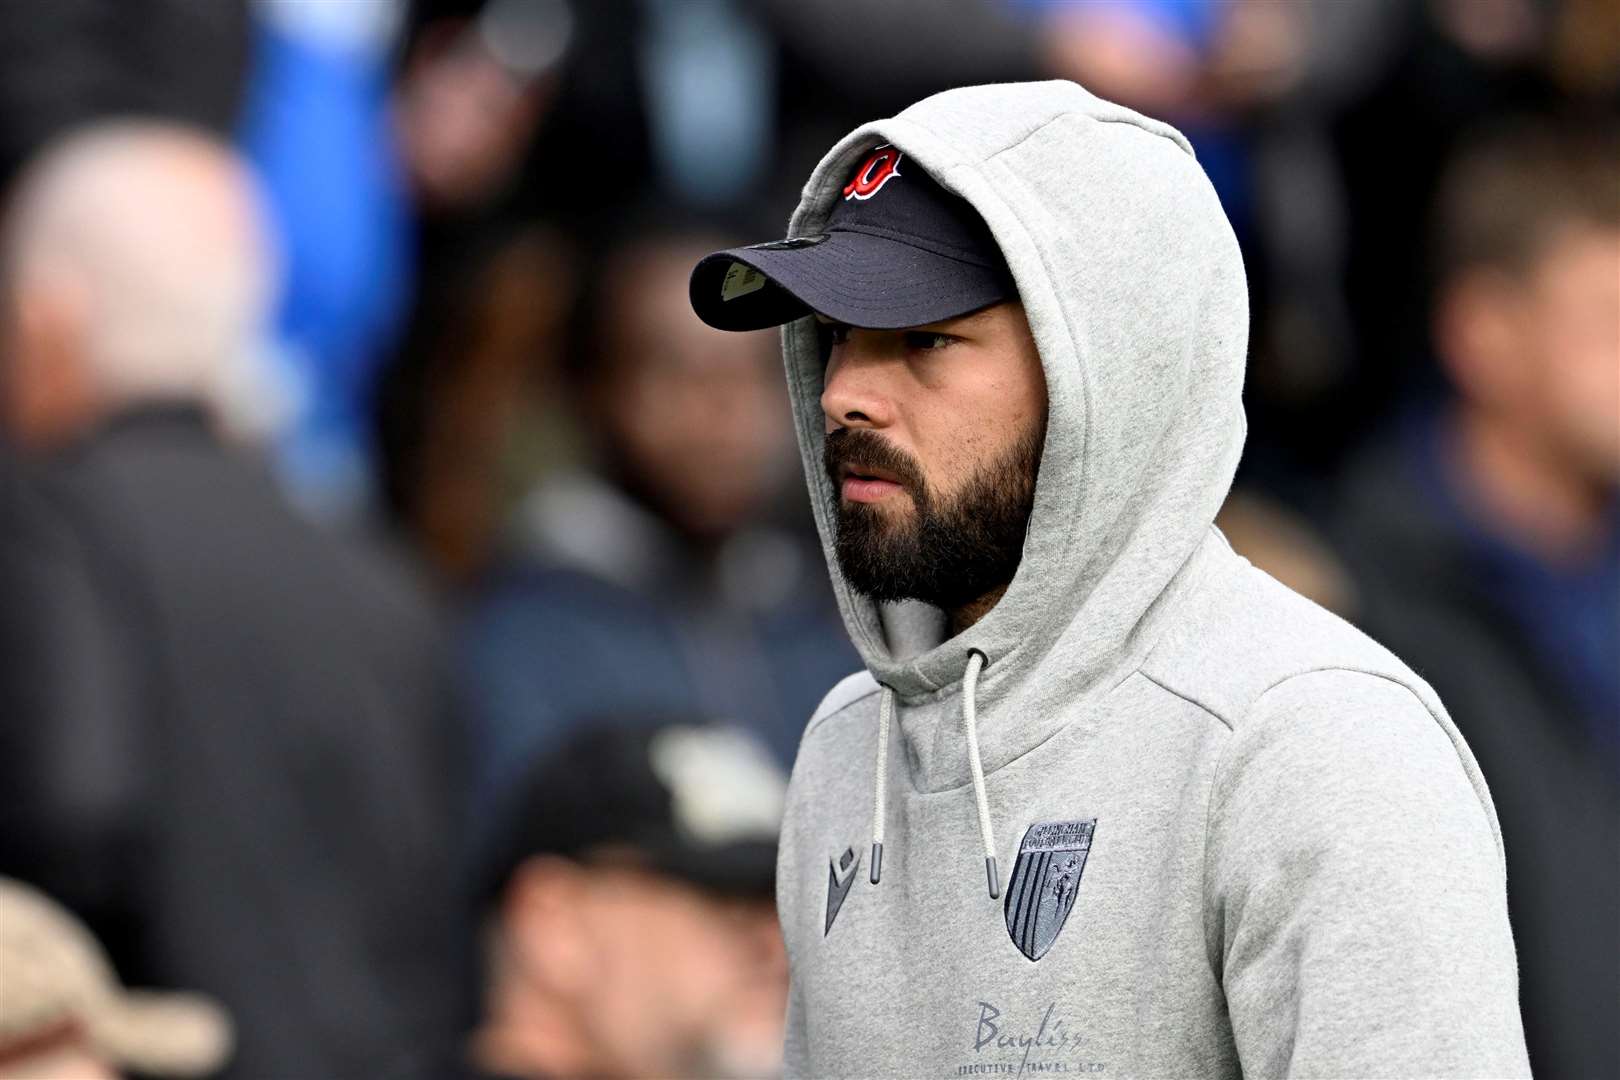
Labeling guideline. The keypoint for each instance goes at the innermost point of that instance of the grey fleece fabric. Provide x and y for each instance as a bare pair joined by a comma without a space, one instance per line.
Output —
1295,867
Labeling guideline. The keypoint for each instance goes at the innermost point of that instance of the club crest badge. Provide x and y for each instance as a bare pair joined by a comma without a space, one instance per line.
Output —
1045,881
840,876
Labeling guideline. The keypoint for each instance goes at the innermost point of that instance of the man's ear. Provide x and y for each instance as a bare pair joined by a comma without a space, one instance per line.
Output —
544,920
49,393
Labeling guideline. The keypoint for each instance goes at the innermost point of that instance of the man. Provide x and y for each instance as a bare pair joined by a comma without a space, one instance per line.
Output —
1485,543
663,578
223,733
633,933
64,1015
1224,833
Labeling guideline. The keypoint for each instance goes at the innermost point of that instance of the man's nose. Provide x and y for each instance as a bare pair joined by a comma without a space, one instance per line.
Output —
854,395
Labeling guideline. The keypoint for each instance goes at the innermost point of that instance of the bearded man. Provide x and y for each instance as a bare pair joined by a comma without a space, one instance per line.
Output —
1222,832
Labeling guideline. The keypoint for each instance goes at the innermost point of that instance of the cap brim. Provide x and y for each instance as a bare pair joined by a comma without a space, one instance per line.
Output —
742,868
163,1034
858,278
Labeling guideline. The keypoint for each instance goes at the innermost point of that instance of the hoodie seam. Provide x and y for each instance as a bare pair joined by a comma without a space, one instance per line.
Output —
1083,115
817,723
1217,964
1216,958
1167,688
1475,779
938,692
1030,134
968,784
1336,667
1194,588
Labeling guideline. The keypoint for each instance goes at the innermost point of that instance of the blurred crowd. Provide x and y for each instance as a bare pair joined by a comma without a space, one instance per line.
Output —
409,609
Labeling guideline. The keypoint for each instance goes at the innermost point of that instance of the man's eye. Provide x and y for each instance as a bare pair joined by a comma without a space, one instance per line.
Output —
837,333
922,340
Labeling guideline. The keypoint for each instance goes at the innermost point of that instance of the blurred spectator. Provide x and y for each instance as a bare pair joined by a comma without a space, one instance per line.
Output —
633,930
64,1016
70,62
476,95
473,410
472,93
222,734
344,155
1486,547
1458,66
709,73
658,582
316,127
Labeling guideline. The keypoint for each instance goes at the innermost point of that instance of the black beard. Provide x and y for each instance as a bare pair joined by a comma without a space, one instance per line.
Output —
949,553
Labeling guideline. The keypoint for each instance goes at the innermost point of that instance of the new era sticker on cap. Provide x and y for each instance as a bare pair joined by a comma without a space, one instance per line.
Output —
740,280
792,243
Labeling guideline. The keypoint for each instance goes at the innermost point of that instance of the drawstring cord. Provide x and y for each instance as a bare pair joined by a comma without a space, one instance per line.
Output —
880,792
970,720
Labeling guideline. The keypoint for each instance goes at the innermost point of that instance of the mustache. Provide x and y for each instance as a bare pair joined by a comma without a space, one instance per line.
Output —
864,450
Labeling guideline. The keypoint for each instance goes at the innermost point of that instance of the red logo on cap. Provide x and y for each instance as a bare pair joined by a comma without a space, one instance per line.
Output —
877,170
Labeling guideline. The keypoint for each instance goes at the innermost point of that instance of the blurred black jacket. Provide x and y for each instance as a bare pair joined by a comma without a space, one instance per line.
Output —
68,62
225,742
1424,594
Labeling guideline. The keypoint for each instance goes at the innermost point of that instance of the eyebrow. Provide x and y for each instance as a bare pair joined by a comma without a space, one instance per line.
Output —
955,323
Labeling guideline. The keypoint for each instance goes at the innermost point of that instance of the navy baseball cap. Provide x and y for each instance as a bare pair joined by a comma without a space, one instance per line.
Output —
898,251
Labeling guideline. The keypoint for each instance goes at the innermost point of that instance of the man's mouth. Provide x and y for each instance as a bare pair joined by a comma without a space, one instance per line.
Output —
864,483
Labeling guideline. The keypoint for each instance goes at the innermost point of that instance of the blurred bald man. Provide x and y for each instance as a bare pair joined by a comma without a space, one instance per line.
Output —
136,271
223,733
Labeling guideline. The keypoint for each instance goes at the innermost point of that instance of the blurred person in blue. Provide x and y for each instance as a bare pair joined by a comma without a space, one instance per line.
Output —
223,734
631,925
357,160
659,580
316,127
1484,540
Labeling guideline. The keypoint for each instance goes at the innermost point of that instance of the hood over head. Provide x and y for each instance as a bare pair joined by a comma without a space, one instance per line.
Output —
1134,289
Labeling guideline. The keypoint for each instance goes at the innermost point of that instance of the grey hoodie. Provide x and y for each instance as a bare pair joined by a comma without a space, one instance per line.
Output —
1232,834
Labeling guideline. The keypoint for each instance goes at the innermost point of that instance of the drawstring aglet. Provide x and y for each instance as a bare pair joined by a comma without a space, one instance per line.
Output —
993,877
877,862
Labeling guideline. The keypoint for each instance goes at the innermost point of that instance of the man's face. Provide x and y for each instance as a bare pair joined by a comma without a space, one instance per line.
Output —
698,980
934,437
661,977
1541,350
1574,337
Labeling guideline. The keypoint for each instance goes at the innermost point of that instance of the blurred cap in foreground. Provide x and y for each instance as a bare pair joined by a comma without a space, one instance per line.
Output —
59,992
699,802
